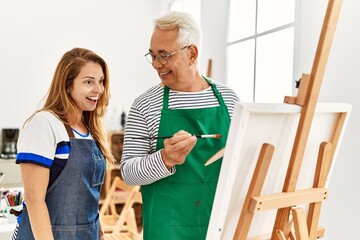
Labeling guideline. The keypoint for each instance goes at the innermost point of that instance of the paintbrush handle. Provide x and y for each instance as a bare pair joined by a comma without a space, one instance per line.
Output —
164,137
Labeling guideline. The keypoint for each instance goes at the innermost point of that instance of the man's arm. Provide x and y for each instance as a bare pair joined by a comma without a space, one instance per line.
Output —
140,163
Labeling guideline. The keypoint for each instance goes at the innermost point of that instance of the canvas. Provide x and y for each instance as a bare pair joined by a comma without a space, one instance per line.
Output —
254,124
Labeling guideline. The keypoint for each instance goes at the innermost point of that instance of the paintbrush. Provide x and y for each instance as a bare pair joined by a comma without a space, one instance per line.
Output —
198,136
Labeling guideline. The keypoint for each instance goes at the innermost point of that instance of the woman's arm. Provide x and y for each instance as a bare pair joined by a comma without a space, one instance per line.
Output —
36,179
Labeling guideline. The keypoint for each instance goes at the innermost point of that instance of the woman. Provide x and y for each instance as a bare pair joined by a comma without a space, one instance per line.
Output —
62,150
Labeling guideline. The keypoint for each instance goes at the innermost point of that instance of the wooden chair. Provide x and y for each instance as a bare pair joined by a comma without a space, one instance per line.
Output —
120,225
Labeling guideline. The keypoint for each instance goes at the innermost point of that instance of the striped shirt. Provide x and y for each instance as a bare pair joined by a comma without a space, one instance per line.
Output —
141,164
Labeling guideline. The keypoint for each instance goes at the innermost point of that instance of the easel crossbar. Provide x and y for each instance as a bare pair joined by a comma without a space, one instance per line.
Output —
286,199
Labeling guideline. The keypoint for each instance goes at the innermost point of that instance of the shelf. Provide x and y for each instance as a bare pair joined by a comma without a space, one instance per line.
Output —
11,172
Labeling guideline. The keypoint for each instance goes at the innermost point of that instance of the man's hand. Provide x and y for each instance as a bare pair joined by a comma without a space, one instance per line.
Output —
177,148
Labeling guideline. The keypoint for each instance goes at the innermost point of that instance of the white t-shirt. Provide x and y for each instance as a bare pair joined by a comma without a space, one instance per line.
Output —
44,141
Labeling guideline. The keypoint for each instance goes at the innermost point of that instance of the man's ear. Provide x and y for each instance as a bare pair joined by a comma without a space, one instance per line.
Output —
193,52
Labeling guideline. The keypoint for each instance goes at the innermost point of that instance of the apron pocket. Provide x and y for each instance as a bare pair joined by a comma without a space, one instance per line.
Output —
84,231
99,170
191,203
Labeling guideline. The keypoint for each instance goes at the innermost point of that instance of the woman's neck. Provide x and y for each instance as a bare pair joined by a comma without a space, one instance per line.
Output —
80,127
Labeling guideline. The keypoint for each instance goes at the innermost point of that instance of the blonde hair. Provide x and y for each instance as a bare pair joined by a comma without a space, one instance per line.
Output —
189,30
62,105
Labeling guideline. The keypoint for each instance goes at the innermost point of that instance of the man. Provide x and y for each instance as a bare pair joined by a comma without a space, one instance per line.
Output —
177,189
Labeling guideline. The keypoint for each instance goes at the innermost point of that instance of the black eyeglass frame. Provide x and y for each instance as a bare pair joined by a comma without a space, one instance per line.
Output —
162,58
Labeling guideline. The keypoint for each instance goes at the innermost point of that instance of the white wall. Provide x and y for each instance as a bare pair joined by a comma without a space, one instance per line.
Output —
213,21
35,34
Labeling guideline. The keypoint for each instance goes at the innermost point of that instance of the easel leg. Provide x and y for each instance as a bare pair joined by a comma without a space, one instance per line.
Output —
301,230
316,76
321,173
280,235
255,188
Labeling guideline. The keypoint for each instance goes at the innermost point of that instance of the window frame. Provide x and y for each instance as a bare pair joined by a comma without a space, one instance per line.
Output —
256,35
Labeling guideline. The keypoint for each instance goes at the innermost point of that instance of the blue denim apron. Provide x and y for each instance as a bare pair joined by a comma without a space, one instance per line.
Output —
178,207
73,198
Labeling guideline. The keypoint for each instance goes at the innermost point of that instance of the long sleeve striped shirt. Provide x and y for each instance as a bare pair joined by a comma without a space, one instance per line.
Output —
141,164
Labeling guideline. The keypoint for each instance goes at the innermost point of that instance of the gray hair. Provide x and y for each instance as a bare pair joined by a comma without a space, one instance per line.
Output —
189,30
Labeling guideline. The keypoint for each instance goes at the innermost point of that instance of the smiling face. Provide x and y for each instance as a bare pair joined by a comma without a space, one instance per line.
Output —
180,69
87,87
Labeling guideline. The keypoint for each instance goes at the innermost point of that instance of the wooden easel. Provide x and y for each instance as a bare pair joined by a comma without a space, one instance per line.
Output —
209,68
288,218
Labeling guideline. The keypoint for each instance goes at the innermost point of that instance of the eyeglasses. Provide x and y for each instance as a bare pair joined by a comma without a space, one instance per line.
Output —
163,57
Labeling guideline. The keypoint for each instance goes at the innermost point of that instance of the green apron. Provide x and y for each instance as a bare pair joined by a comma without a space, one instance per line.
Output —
178,207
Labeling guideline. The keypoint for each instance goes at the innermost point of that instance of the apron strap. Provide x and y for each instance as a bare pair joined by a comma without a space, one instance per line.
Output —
69,131
166,98
216,92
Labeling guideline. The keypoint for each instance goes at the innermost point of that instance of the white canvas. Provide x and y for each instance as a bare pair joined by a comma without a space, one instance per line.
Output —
254,124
